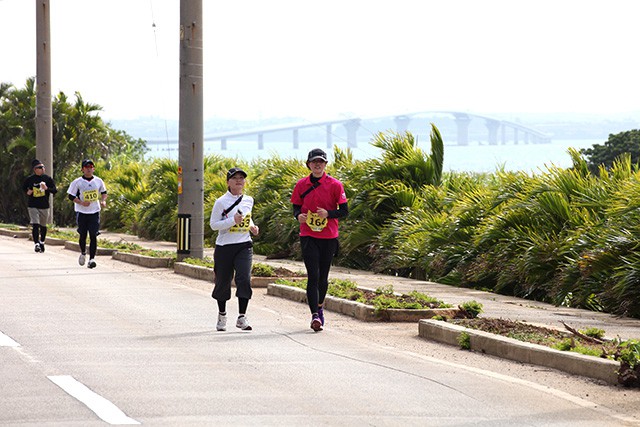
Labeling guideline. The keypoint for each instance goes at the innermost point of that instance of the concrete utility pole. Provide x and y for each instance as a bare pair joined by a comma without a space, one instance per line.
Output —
44,129
190,136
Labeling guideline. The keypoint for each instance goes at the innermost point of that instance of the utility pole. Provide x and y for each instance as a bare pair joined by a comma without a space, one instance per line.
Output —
44,128
190,136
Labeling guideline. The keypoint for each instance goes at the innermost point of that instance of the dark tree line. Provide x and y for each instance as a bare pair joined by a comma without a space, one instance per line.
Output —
617,144
78,132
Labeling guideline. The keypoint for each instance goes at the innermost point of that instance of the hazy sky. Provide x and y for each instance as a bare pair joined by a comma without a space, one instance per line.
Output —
330,58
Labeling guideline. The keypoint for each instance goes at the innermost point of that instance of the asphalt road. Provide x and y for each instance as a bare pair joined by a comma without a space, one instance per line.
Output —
121,344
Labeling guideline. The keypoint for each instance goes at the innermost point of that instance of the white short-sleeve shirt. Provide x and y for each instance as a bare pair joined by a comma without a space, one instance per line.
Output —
85,189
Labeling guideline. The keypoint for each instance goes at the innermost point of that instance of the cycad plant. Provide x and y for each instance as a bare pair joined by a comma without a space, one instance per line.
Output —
272,186
128,186
385,187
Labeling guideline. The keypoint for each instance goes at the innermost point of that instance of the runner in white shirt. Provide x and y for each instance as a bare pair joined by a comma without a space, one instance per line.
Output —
89,196
231,217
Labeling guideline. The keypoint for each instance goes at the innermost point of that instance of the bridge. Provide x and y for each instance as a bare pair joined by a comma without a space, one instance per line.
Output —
496,131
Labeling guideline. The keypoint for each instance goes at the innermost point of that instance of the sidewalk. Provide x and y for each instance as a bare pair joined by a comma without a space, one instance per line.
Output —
495,305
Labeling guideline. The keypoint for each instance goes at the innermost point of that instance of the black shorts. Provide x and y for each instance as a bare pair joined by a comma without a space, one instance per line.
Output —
88,223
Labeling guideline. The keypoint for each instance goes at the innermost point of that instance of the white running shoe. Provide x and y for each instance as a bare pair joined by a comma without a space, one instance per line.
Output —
81,259
92,263
243,323
222,322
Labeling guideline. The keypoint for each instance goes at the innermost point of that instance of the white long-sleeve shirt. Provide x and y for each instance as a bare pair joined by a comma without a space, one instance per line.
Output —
228,231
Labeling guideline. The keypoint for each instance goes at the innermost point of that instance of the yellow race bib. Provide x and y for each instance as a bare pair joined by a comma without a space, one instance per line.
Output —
38,192
90,196
315,222
244,225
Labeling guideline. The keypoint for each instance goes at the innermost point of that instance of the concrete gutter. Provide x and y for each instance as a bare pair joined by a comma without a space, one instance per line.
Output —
509,348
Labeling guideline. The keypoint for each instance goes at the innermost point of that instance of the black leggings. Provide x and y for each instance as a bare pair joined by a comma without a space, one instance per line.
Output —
88,223
317,255
38,232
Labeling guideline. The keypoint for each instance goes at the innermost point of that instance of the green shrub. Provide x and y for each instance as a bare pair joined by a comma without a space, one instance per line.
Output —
473,308
426,300
262,270
565,345
202,262
385,290
594,333
302,284
630,353
383,302
464,340
345,289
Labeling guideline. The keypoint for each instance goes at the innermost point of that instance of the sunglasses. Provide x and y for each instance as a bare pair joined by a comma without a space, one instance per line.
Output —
39,167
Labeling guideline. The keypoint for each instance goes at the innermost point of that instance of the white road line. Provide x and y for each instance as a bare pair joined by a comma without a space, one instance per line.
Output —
104,409
5,341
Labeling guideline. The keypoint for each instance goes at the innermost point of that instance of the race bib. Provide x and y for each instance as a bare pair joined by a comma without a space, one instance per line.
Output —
38,192
244,225
315,222
90,196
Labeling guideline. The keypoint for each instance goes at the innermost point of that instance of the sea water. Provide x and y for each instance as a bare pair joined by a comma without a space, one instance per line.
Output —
475,157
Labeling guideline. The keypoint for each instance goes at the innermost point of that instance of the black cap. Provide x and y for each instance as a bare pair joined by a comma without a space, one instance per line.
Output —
316,153
234,171
35,162
86,162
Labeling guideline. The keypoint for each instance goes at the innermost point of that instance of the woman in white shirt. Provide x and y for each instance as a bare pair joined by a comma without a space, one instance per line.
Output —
231,217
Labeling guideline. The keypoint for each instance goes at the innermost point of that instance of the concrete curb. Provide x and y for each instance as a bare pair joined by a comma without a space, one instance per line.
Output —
509,348
359,310
143,260
76,247
22,234
53,241
16,234
206,273
194,271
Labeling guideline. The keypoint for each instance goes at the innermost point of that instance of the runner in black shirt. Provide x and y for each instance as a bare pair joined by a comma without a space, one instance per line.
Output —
38,186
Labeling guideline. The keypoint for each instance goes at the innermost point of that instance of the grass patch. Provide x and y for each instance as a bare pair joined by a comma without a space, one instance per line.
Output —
627,352
381,299
200,262
134,248
12,227
258,269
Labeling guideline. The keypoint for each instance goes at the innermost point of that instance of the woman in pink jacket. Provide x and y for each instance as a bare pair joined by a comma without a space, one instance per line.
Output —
318,202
